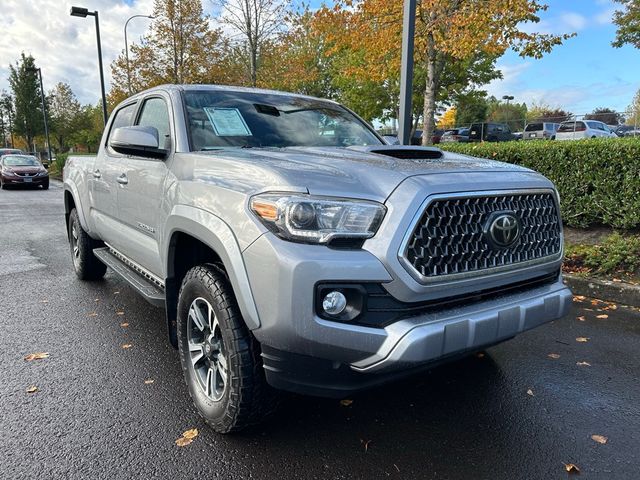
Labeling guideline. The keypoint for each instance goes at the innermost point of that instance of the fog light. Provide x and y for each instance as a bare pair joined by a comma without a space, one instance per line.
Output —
334,303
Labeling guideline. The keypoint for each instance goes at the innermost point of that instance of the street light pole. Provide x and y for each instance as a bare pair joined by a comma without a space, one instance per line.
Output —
83,13
126,47
406,71
44,111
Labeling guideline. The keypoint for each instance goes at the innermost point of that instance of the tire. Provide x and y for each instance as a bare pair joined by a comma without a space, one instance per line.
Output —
3,186
85,263
45,185
221,361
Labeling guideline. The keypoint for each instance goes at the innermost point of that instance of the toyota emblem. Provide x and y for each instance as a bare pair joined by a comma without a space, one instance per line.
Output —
503,229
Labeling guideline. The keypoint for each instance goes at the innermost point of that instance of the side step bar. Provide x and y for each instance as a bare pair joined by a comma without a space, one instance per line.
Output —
152,292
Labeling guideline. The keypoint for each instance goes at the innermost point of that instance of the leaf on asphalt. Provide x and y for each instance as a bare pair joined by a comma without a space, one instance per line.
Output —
553,355
346,402
183,442
530,392
582,339
595,302
32,389
44,301
599,438
571,468
193,433
583,364
604,315
366,444
480,354
125,324
578,298
93,314
149,381
581,318
127,345
617,280
119,312
97,300
36,356
116,292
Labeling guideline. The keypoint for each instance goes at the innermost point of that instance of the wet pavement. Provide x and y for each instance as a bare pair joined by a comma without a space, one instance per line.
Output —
514,413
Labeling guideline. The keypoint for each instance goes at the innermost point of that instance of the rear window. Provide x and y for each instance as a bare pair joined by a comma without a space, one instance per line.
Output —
571,126
533,127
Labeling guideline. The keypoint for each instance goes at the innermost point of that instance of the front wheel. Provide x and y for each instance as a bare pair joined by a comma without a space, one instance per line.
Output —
220,359
85,263
45,185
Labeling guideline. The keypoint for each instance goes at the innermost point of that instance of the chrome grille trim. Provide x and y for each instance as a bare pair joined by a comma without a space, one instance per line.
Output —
483,272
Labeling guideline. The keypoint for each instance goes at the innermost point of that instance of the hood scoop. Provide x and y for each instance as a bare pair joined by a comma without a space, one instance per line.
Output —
405,152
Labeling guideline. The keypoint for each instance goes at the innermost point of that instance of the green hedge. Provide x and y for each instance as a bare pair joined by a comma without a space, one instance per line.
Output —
598,179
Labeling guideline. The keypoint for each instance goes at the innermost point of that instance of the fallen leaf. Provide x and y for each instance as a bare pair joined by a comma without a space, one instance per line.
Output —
617,280
149,381
589,309
595,302
125,324
583,364
530,392
366,444
32,389
97,299
578,298
36,356
44,301
193,433
582,319
553,355
116,292
93,314
582,339
571,468
480,354
183,442
604,315
127,345
396,467
346,402
599,438
119,312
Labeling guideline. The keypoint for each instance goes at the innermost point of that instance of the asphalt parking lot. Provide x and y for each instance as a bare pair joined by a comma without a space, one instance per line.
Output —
524,409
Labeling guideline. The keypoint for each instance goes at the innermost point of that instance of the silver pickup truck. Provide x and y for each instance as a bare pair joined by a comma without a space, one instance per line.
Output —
293,249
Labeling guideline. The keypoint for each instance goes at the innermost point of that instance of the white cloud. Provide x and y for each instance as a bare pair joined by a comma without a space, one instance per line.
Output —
605,17
64,46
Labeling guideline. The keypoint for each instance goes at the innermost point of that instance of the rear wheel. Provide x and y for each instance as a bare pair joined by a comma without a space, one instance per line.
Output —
85,263
220,358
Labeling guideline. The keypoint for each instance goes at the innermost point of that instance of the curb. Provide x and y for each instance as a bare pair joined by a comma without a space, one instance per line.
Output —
622,293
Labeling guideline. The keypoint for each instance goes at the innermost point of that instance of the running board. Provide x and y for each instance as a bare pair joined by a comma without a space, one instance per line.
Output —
153,293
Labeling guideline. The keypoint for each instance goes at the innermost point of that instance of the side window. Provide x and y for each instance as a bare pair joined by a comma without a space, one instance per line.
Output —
122,118
155,114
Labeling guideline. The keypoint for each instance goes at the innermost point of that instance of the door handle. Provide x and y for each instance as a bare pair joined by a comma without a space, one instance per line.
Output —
122,179
96,173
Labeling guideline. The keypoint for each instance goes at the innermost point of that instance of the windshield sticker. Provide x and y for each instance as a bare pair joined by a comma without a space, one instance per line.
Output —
227,122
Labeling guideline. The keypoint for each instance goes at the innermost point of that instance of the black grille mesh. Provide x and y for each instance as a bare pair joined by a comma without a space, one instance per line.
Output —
449,237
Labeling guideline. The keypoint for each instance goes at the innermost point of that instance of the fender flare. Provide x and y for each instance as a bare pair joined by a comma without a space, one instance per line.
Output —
73,190
217,235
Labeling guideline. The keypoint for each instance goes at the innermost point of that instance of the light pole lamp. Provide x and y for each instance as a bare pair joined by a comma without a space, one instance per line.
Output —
83,13
507,98
44,111
126,47
406,71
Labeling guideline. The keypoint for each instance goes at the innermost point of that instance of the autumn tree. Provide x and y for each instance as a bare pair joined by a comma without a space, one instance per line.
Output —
66,114
447,32
180,47
633,117
544,113
27,105
627,22
448,118
606,115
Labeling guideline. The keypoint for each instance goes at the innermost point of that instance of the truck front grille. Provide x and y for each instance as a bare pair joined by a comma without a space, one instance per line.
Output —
452,236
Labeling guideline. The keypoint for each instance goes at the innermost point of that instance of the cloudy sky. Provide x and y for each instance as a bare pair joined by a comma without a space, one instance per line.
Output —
583,74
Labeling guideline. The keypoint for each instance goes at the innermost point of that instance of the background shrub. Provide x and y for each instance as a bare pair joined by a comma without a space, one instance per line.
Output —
598,179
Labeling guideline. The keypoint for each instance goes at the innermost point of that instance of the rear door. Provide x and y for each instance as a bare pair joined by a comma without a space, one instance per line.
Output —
103,180
140,197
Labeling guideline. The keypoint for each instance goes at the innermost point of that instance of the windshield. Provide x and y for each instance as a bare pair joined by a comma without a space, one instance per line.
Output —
532,127
20,161
219,119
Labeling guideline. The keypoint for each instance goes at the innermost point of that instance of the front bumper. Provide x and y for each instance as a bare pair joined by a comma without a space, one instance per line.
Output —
18,180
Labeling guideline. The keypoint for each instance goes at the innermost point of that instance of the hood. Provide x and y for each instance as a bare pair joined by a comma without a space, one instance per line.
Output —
357,171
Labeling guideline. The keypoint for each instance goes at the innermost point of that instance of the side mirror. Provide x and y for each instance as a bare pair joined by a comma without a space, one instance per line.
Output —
137,140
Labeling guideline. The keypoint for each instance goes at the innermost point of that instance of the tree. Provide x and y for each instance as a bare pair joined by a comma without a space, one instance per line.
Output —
471,108
606,115
628,22
89,129
256,21
448,118
448,33
545,113
7,115
24,84
634,111
66,114
180,48
513,114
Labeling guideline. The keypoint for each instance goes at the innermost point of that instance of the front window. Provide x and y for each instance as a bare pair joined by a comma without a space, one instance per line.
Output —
220,119
20,161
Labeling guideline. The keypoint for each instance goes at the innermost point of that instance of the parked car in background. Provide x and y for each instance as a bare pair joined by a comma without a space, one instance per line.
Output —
518,135
20,169
7,151
391,139
626,131
435,139
578,130
490,132
540,131
460,135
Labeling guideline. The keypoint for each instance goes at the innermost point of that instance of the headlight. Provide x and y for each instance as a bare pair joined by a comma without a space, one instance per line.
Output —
305,218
